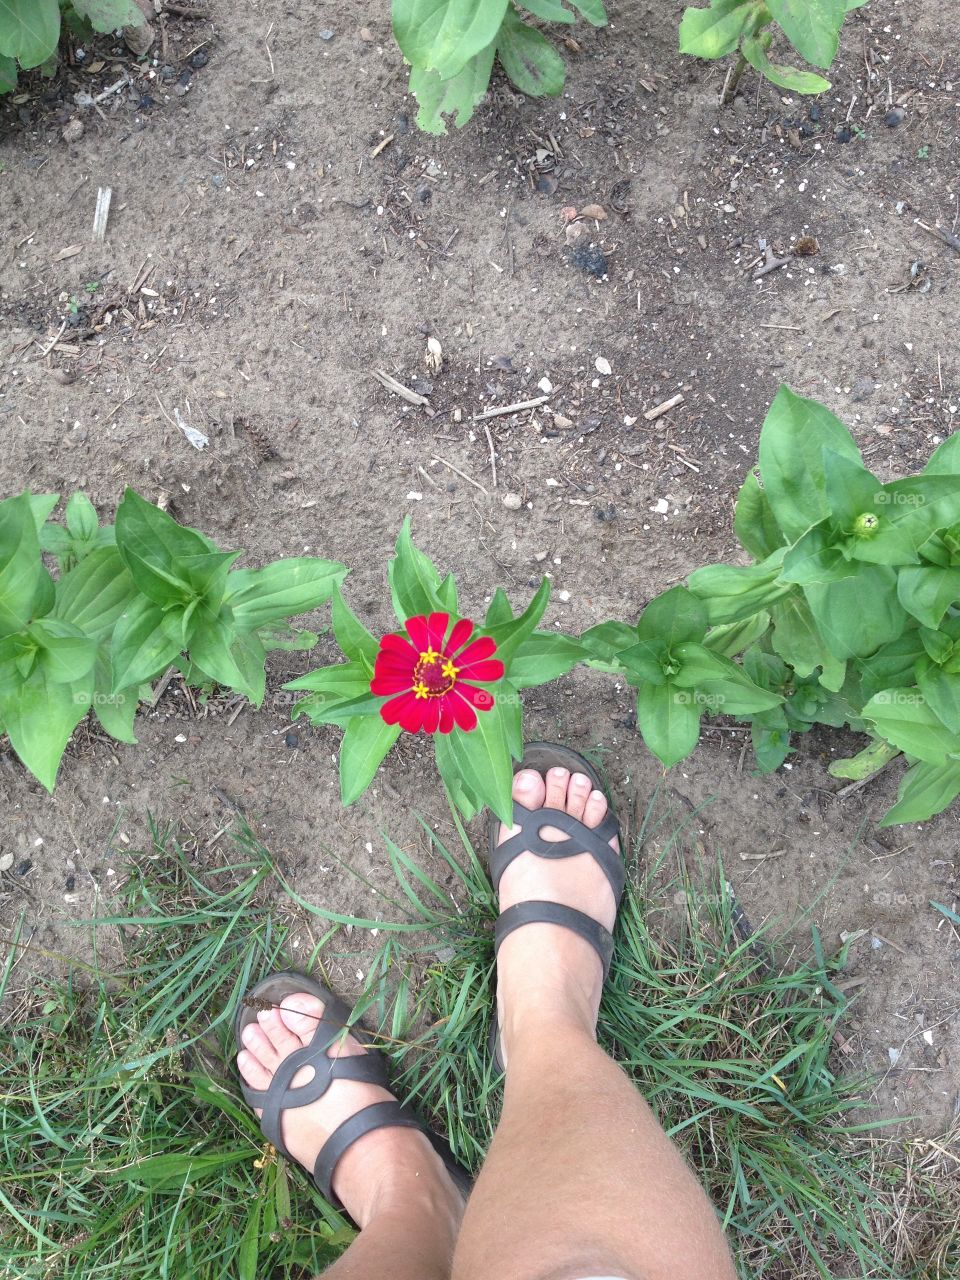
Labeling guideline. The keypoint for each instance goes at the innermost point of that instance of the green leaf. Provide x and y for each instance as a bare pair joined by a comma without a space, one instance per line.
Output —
794,435
733,637
8,74
795,635
735,695
715,32
672,617
116,712
366,740
444,37
414,581
816,557
865,763
609,639
26,589
288,639
457,96
945,459
643,663
65,653
770,738
942,692
212,650
669,720
460,793
593,11
699,664
166,561
732,593
544,656
81,517
786,77
859,614
928,592
248,1255
926,789
350,633
509,636
29,30
447,593
754,522
904,718
342,680
812,27
95,592
281,590
145,641
41,504
39,718
548,10
528,58
510,706
499,612
892,666
109,15
483,761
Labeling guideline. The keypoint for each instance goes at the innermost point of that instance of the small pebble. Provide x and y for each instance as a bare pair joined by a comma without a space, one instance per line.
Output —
512,501
564,596
545,385
843,134
23,867
71,883
602,365
325,35
894,117
73,131
199,60
815,113
6,861
291,739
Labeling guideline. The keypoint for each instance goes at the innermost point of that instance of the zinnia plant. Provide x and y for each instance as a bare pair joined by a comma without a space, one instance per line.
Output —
441,674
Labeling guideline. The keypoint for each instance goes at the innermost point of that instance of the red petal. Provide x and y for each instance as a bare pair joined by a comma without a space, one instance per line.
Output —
418,632
463,713
406,711
491,669
398,645
431,715
447,720
461,633
387,682
482,699
437,625
484,647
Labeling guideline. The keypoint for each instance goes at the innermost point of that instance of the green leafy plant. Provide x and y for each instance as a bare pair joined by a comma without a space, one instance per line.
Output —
128,602
30,30
440,675
848,614
743,26
452,45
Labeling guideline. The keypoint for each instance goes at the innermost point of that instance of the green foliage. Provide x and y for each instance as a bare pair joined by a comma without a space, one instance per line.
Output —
127,603
848,615
475,764
30,29
452,45
727,26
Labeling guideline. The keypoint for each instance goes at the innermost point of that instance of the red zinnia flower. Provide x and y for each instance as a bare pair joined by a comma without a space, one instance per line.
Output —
430,675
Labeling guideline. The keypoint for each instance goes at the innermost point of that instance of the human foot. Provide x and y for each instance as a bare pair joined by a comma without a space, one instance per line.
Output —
388,1168
547,970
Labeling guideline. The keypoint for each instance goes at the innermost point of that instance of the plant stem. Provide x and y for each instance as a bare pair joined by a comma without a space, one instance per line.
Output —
732,84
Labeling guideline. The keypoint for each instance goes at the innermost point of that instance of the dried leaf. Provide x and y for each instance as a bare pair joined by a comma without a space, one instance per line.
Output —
70,251
568,213
596,211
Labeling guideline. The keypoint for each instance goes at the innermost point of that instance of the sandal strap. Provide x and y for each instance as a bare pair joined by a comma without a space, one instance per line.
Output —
535,912
281,1095
581,839
379,1115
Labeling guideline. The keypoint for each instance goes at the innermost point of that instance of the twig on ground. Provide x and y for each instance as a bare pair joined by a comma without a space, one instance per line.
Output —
502,410
493,456
398,389
463,475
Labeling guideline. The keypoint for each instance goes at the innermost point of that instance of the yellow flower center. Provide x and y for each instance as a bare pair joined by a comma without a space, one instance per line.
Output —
433,678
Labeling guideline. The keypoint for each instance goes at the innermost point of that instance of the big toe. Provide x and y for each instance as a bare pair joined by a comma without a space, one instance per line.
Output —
301,1014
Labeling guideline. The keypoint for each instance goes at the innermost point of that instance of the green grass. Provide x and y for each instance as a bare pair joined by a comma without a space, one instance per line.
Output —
127,1151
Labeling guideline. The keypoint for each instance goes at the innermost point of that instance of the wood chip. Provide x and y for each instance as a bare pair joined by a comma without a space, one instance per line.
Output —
659,410
398,389
70,251
511,408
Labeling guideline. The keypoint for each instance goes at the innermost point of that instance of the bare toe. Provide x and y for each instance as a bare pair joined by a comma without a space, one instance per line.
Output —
578,789
595,810
557,780
279,1035
253,1071
301,1014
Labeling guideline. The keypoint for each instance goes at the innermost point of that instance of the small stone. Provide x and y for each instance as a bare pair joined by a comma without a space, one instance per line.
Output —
862,389
512,501
540,556
563,423
366,34
6,861
325,35
432,169
815,113
563,596
414,496
590,259
661,507
602,365
73,131
199,60
545,385
843,134
71,883
291,739
894,117
23,867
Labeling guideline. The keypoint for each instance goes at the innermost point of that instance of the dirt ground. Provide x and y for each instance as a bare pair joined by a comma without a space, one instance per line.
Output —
279,229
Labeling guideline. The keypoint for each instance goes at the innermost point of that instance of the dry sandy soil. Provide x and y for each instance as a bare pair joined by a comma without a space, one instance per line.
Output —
279,229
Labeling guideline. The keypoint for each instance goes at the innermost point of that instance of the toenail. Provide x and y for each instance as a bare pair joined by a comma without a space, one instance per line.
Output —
249,1034
526,779
558,772
597,795
580,779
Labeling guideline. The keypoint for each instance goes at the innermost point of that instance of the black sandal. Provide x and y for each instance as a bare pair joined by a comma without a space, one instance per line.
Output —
542,756
370,1067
